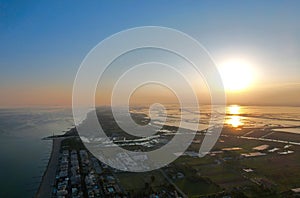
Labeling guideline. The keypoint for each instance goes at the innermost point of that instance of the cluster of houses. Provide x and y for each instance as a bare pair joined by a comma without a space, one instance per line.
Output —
90,180
79,174
68,177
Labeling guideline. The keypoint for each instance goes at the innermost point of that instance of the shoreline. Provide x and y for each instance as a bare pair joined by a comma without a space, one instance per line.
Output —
45,188
48,178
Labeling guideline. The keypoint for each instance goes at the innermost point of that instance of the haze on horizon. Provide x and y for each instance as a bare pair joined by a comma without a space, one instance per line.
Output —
44,43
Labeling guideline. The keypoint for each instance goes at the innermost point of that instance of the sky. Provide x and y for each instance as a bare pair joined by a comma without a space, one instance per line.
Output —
42,43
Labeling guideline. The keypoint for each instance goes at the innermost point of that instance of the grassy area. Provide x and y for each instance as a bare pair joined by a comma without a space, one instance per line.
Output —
193,161
225,176
196,187
139,182
282,170
194,183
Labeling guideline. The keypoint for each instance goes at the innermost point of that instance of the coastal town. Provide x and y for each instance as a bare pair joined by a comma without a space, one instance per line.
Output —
243,163
80,174
97,180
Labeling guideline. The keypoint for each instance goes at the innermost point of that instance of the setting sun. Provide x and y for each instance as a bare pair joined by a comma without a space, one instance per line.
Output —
236,74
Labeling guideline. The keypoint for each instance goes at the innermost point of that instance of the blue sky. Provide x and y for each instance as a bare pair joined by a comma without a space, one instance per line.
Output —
42,43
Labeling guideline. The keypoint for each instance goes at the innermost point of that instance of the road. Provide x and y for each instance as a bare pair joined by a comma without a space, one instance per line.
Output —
171,182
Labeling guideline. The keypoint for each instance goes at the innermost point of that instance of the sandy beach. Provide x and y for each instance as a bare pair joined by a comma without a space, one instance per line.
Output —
45,188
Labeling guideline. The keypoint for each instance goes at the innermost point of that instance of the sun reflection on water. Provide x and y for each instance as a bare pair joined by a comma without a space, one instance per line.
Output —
234,119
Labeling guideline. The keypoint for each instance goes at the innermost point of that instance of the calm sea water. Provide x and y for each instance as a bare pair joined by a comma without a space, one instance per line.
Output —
23,153
24,156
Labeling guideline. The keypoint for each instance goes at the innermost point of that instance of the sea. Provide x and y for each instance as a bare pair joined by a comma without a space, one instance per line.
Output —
24,155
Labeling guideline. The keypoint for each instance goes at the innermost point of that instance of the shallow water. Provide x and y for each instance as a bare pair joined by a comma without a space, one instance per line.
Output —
235,116
289,130
23,153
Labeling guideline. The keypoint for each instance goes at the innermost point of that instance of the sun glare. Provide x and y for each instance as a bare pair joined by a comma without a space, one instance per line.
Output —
234,109
237,75
234,119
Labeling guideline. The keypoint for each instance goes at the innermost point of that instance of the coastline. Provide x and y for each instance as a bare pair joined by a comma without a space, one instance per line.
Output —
259,134
45,188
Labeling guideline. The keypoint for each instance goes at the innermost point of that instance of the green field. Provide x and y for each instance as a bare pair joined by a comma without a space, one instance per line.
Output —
137,183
